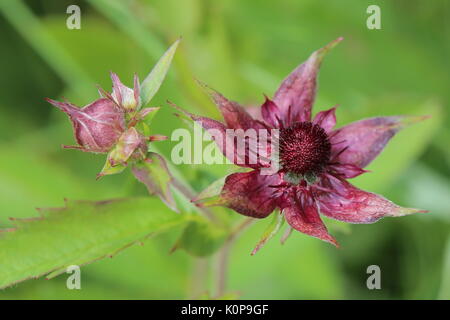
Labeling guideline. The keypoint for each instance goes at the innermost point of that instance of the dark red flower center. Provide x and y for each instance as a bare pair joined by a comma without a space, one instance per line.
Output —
304,149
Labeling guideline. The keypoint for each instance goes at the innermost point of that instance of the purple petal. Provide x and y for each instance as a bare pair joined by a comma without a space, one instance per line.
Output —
271,113
117,88
347,171
254,112
359,142
246,156
354,205
234,114
249,193
303,216
97,126
296,95
326,119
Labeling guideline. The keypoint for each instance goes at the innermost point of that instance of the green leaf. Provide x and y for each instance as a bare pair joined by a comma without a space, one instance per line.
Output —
153,81
271,230
153,172
77,234
201,237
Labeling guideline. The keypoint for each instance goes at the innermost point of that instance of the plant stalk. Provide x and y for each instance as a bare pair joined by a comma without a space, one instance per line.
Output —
224,254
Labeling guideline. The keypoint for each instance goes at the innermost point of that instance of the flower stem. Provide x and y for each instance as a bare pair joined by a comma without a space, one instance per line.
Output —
222,269
199,276
224,254
189,195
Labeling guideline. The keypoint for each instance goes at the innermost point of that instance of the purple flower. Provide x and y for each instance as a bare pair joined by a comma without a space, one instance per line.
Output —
315,159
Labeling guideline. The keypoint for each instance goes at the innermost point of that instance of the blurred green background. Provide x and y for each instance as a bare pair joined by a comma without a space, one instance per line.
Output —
243,49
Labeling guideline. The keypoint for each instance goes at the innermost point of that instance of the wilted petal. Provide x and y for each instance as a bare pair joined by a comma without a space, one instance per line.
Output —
249,193
296,95
97,126
303,216
354,205
358,143
326,119
125,97
347,171
271,113
234,114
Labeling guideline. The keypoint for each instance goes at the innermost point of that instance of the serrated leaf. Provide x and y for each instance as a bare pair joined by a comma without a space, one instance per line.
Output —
271,230
201,237
153,81
79,233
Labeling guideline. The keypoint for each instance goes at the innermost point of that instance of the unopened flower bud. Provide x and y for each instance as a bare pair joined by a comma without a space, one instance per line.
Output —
97,126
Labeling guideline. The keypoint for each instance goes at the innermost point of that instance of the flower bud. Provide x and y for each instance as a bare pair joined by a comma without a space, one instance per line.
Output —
97,126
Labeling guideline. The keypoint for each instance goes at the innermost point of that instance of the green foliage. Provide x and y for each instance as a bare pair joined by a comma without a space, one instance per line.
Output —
201,237
78,234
